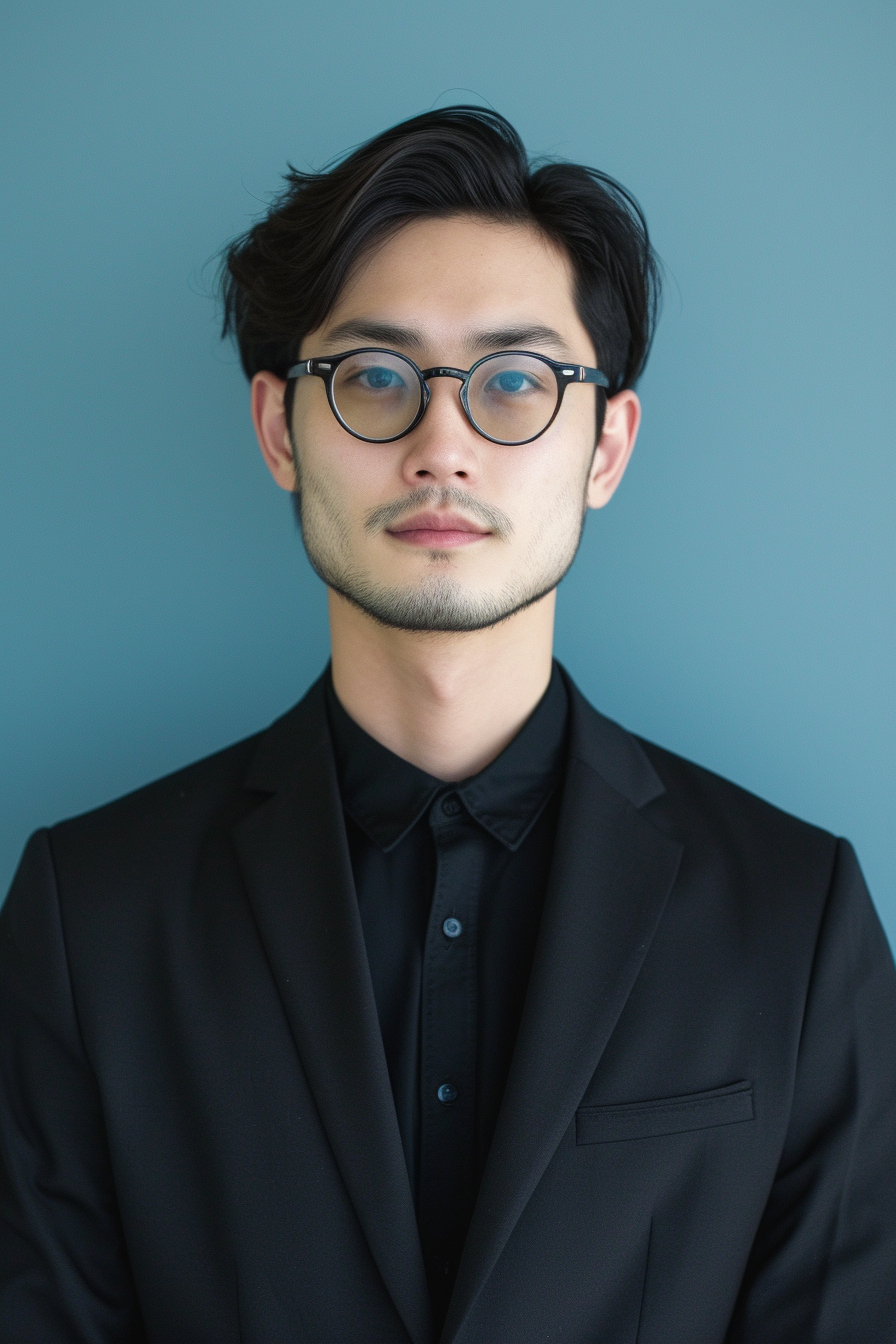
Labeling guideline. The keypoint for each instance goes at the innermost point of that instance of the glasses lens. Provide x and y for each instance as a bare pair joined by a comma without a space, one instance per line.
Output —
512,397
377,394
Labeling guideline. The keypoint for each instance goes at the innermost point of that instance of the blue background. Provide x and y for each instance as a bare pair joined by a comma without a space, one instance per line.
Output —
735,602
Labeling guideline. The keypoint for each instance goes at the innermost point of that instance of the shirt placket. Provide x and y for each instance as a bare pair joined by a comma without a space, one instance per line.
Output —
448,1041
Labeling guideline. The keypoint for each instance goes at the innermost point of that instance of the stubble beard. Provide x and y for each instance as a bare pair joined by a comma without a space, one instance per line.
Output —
438,602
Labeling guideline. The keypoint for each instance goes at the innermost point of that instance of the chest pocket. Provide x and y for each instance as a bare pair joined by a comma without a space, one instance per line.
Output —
671,1115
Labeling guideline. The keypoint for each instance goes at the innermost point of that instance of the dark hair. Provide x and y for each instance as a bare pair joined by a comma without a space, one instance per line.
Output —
282,277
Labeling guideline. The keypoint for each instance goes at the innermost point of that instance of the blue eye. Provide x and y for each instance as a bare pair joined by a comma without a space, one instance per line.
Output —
510,381
379,379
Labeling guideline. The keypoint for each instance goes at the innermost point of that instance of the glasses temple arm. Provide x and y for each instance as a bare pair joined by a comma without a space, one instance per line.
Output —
593,376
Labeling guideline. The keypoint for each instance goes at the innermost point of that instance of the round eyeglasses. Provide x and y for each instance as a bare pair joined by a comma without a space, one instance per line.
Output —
511,397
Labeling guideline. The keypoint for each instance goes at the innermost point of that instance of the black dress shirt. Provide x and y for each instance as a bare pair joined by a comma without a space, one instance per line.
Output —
450,880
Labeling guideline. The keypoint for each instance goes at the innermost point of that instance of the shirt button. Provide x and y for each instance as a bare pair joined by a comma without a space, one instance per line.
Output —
451,805
452,928
447,1093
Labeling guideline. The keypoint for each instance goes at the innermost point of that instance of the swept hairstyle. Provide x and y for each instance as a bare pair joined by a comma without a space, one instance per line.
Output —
281,278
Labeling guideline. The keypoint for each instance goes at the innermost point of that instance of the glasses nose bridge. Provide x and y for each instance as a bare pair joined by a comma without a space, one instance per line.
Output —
445,371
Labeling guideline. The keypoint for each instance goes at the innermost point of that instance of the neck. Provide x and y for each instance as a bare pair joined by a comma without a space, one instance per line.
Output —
448,703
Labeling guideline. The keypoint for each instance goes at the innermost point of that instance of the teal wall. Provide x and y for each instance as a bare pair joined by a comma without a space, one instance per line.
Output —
736,601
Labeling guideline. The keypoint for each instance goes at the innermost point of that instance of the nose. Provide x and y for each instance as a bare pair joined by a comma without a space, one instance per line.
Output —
444,448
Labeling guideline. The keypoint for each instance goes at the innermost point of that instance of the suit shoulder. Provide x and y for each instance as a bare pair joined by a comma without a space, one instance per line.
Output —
724,814
681,776
158,819
678,793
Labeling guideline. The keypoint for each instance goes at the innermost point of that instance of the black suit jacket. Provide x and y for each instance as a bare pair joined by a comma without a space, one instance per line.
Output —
698,1137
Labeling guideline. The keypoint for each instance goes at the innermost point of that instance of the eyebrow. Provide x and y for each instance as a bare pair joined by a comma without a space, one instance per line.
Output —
476,342
376,333
510,338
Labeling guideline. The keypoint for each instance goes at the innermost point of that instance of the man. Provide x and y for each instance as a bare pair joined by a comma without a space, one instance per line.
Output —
445,1008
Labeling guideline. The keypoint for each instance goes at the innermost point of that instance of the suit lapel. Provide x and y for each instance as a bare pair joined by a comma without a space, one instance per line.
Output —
295,862
610,879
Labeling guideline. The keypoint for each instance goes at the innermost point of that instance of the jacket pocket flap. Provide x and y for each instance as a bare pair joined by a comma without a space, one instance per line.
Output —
671,1115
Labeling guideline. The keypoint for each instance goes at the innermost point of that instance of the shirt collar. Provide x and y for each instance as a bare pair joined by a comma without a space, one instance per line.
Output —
387,796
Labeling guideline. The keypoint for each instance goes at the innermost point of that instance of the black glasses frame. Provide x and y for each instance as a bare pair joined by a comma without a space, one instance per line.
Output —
325,367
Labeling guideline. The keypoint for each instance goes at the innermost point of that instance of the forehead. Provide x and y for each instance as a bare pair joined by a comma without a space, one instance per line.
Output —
447,275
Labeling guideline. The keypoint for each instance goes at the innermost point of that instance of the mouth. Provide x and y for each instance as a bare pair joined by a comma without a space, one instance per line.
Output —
437,531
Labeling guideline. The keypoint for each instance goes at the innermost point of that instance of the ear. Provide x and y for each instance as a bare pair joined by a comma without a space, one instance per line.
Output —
269,419
623,416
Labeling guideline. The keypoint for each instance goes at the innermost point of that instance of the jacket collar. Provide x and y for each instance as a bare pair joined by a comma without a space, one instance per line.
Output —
295,862
611,876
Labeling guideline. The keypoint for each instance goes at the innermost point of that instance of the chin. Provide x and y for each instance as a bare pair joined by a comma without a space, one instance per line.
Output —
443,606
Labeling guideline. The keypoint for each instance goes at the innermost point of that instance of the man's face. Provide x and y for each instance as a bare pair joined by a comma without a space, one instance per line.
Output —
444,530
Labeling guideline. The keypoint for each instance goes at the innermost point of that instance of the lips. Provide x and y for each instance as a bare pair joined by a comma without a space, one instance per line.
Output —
437,531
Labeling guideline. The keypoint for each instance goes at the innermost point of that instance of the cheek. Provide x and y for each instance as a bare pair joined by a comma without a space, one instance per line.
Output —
538,477
354,476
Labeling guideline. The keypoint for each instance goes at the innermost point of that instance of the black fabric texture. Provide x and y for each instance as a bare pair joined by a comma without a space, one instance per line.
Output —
477,852
198,1133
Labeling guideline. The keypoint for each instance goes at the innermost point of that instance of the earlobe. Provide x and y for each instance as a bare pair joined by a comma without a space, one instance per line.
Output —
620,430
269,419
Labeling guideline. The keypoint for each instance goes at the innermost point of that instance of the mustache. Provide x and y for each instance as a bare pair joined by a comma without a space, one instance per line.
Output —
434,496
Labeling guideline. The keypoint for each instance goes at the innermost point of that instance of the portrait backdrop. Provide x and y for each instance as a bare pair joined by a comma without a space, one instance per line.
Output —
735,602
